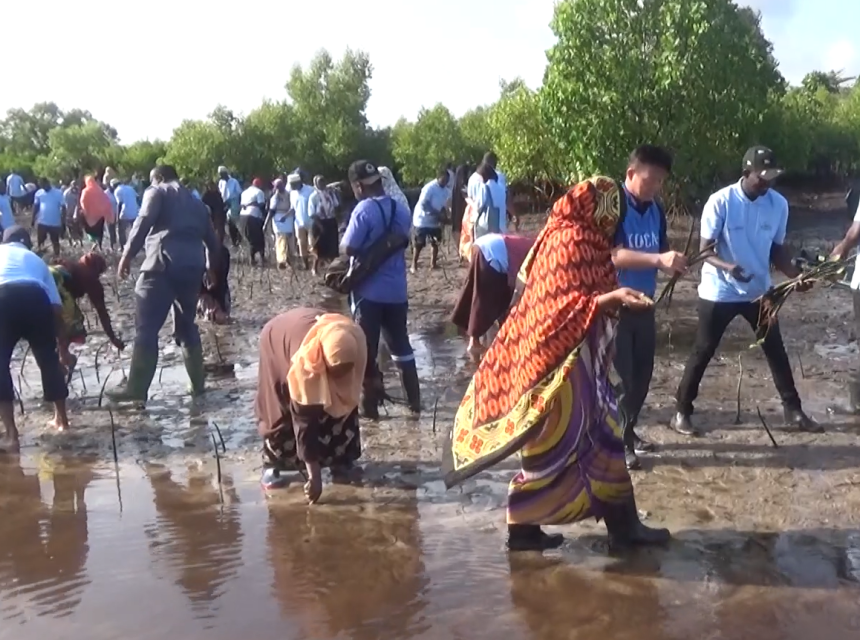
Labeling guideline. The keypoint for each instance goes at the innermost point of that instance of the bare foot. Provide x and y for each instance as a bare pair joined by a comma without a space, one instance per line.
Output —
59,425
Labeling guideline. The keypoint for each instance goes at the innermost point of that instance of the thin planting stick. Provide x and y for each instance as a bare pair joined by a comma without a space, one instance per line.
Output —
24,360
740,381
220,437
800,362
218,467
766,428
113,437
104,384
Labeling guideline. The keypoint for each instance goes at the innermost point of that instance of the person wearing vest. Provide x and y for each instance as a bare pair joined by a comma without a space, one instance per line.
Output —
641,250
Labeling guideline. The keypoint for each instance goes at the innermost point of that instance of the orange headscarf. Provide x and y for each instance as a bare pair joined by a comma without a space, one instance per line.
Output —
95,204
567,269
334,340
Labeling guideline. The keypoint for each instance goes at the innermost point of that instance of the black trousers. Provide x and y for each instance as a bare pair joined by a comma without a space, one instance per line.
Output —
714,318
26,313
635,345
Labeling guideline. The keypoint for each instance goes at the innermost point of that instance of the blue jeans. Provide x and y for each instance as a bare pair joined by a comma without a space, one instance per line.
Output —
389,320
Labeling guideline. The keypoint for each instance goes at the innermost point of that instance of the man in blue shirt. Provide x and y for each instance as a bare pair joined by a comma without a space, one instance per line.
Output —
49,207
427,218
380,302
641,250
7,218
31,310
747,220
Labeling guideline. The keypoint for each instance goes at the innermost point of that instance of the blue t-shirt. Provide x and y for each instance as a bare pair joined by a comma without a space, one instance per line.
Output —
48,207
7,218
369,221
745,231
643,229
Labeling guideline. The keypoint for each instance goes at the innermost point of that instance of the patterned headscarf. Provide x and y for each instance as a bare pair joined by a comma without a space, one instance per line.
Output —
391,188
568,268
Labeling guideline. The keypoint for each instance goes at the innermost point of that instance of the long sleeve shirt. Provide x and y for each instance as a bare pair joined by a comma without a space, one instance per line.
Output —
173,226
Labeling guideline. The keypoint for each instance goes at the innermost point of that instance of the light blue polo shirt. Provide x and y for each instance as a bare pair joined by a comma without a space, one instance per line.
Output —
427,213
48,207
745,231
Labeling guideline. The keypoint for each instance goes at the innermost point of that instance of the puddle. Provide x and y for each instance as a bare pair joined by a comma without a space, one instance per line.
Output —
165,556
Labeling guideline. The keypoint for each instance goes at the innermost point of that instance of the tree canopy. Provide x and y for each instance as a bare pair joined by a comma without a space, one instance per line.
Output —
697,76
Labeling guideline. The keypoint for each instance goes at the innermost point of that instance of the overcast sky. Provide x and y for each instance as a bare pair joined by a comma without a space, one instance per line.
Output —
203,57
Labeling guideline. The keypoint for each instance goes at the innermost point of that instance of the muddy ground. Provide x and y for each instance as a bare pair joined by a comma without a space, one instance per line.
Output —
766,537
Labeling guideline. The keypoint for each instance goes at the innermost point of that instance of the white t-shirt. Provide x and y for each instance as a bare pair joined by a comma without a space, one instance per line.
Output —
15,186
19,264
253,200
299,199
745,231
855,277
282,214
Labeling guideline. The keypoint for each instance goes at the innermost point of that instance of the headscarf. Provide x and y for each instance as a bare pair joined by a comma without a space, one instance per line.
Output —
278,184
333,340
565,272
318,183
391,188
95,203
95,262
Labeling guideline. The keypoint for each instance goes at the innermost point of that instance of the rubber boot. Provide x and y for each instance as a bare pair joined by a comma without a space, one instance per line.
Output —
530,537
370,399
141,371
629,439
410,384
193,357
626,529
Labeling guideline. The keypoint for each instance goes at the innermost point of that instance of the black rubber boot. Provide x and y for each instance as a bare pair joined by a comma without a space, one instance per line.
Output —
370,404
626,529
411,386
681,423
797,418
530,537
629,438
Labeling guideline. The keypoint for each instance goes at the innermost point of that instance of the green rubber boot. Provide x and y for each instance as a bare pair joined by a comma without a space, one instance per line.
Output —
194,367
141,371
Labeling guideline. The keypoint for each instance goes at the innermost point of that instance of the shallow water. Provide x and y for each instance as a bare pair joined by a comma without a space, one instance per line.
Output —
174,561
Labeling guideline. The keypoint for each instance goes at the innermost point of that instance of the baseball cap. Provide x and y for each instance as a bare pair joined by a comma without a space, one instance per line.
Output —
363,171
762,161
19,235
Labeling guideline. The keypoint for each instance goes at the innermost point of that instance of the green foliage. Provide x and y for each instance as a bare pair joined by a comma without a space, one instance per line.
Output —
697,76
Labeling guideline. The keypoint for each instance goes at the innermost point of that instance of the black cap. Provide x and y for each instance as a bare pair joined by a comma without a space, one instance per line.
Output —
762,161
19,235
363,172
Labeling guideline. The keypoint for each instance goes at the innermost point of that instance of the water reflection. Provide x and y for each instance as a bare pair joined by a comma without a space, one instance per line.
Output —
349,572
195,535
43,549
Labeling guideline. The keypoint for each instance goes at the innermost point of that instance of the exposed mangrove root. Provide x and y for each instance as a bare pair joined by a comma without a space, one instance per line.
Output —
220,437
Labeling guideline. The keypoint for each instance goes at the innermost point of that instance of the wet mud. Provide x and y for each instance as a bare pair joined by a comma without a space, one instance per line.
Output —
767,540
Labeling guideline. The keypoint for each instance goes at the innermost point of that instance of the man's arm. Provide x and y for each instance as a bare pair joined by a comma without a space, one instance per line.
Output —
96,294
713,220
150,210
668,261
780,257
356,232
851,239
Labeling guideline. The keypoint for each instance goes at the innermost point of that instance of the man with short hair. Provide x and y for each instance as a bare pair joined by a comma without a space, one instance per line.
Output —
747,221
17,192
427,218
114,205
128,208
380,303
72,202
175,230
641,250
231,194
49,208
30,309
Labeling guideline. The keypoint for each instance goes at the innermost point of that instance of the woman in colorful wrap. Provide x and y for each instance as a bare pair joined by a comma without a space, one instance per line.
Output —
543,387
489,288
311,369
96,209
76,280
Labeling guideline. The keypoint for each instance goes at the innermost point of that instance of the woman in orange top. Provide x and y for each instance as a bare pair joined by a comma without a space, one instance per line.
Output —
96,209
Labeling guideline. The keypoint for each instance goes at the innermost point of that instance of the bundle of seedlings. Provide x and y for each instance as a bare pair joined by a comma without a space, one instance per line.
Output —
817,269
692,260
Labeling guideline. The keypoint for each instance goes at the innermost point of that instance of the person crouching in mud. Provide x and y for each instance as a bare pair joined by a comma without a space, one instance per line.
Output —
175,228
74,281
31,310
215,300
557,407
308,389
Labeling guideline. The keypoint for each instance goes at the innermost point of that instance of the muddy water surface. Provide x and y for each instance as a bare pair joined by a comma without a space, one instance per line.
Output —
767,540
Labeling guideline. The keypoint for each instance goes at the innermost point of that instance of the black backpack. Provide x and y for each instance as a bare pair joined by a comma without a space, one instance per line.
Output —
344,274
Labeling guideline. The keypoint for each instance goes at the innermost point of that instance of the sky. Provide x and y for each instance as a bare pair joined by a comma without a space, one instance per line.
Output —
219,56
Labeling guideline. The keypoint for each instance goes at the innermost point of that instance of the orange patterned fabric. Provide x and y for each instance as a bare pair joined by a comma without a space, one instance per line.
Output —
569,266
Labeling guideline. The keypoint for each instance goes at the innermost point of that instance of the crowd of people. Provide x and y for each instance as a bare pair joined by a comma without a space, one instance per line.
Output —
562,383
